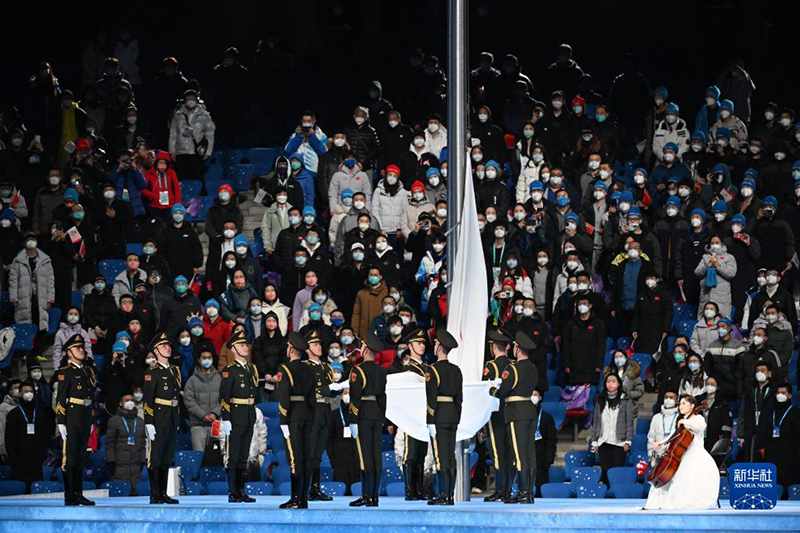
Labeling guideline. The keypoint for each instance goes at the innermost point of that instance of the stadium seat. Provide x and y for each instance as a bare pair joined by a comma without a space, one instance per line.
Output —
210,474
117,489
285,489
553,394
556,474
143,488
258,488
217,488
557,410
585,475
644,360
325,461
193,488
642,426
355,488
110,269
190,462
792,377
551,377
133,248
724,490
387,443
281,475
389,459
12,488
325,473
395,489
621,475
262,159
242,174
639,444
556,490
23,341
597,491
76,298
5,302
779,491
190,189
685,327
53,320
794,492
625,491
333,488
46,487
6,472
214,174
623,343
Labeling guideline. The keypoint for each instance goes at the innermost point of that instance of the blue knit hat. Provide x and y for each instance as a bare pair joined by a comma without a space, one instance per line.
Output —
771,201
796,165
671,146
699,136
195,321
751,172
672,108
536,185
673,200
212,303
634,212
600,184
719,207
71,194
726,104
432,170
181,279
119,347
178,208
123,335
727,321
7,214
314,307
747,182
662,91
347,193
738,218
308,210
571,216
641,171
240,240
719,168
491,163
700,213
673,179
724,133
626,196
713,91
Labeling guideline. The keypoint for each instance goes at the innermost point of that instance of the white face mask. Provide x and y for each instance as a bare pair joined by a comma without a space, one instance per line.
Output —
697,222
441,213
359,204
419,142
683,192
363,227
758,340
769,115
491,174
786,122
545,177
535,400
538,158
433,127
391,180
138,396
381,245
724,114
697,147
360,120
338,142
230,263
594,165
393,123
129,405
599,194
671,119
434,181
736,228
519,215
212,312
185,341
396,330
780,398
709,313
671,212
638,179
633,253
761,377
772,279
557,104
527,312
583,309
669,403
499,233
650,283
711,101
438,247
483,117
229,234
541,261
537,196
491,217
418,196
711,389
747,192
716,248
555,181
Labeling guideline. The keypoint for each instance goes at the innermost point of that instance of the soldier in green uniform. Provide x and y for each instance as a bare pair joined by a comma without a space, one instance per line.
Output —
444,397
324,389
414,451
296,401
76,385
516,390
237,393
162,387
499,445
368,407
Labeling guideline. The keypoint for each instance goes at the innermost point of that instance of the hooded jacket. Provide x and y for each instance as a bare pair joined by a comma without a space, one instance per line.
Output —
677,133
201,395
165,184
189,128
721,294
354,179
309,148
21,289
388,208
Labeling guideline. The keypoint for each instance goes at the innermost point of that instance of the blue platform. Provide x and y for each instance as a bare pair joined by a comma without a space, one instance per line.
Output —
213,513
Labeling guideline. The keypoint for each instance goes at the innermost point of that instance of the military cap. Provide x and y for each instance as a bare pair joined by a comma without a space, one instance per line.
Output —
237,338
76,341
499,335
159,340
416,335
373,342
297,341
524,342
313,336
446,340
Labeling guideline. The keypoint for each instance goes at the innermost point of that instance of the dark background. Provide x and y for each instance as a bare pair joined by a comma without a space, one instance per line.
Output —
338,46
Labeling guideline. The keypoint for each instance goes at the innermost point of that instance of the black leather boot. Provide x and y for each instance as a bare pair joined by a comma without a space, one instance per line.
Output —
233,486
155,488
509,496
163,475
294,499
375,487
499,487
315,494
408,477
419,480
365,491
77,487
441,496
69,493
531,478
304,488
243,496
523,487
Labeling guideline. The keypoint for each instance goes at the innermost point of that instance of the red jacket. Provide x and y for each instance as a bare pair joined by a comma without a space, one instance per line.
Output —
218,332
385,358
168,182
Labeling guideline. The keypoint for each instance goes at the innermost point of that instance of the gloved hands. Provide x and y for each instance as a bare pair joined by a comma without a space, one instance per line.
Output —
497,382
226,427
354,430
432,430
338,386
151,431
346,397
62,428
285,431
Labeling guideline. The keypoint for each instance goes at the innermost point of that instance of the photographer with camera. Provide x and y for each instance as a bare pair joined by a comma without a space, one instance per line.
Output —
309,140
129,182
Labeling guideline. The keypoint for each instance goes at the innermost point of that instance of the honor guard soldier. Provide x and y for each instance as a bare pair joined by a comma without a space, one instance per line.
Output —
414,451
324,388
516,390
444,398
499,445
162,386
76,385
368,408
296,409
237,393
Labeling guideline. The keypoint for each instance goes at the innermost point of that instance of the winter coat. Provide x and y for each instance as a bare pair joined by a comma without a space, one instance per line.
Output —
128,459
310,148
387,208
368,305
201,395
735,126
274,221
652,317
176,311
703,335
65,331
269,353
279,309
122,284
364,143
20,288
329,164
338,213
583,349
218,332
158,183
134,183
411,212
189,128
219,214
183,250
348,223
721,294
354,179
235,301
632,384
723,361
677,133
625,422
394,143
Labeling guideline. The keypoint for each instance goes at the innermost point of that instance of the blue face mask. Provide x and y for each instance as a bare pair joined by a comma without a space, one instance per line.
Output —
206,363
100,286
563,201
296,165
620,361
679,358
349,163
337,321
374,280
315,315
181,289
600,118
694,366
78,215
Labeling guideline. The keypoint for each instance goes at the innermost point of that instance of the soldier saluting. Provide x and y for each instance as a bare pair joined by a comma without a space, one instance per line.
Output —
237,401
76,385
516,390
368,407
162,386
296,409
499,445
415,450
444,398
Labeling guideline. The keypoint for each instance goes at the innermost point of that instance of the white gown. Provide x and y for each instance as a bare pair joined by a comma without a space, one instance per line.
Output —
696,483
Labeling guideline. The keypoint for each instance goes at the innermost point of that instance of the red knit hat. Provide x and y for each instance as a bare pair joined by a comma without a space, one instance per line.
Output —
509,282
578,100
226,187
82,145
163,156
393,169
417,186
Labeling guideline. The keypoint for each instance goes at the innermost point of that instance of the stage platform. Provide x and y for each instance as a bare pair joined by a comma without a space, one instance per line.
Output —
214,513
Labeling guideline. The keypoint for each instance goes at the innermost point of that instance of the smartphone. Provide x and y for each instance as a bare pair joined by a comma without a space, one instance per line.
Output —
37,138
739,236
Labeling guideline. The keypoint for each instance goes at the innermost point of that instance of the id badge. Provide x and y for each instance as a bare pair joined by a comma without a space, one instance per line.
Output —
131,440
163,197
31,429
126,195
496,271
538,435
347,433
776,432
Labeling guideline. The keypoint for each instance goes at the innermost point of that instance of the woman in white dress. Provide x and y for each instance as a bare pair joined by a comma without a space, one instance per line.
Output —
695,484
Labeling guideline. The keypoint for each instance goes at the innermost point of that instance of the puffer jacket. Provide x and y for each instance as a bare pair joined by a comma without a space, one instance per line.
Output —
364,142
632,384
118,450
354,179
721,294
65,331
272,223
20,287
737,128
279,309
387,208
158,183
677,133
367,306
201,395
411,212
338,213
703,335
348,222
188,128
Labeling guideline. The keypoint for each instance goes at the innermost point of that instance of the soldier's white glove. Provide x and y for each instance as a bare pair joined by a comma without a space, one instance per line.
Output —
497,382
336,387
62,428
151,431
346,397
285,431
432,430
354,430
226,427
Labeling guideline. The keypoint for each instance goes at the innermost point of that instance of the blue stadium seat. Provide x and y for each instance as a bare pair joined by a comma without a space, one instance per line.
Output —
577,458
262,159
217,488
53,319
556,474
132,248
257,244
624,491
792,377
597,491
609,344
623,343
46,487
551,377
389,459
395,490
143,488
724,490
794,492
639,444
5,302
585,475
12,488
642,426
281,474
285,489
189,461
556,490
355,488
258,488
110,269
117,489
76,299
557,410
214,174
242,174
644,360
325,473
621,475
553,394
23,341
210,474
333,488
685,327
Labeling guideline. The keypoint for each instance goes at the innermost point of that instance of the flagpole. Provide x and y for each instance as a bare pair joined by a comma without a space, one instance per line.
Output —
456,148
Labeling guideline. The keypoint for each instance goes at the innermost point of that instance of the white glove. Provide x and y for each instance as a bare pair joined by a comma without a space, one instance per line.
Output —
432,430
285,431
226,427
354,430
62,428
497,382
346,397
338,386
151,431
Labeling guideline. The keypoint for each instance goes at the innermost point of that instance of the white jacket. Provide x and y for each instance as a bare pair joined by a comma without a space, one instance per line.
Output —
388,209
355,180
411,212
677,133
188,128
661,426
435,143
338,213
530,172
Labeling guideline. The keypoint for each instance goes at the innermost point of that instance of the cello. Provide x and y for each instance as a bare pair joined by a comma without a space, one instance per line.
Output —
663,472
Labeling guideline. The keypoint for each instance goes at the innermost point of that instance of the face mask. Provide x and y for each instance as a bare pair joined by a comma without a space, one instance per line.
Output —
30,244
716,248
736,228
724,114
697,222
212,312
359,204
518,309
129,405
300,260
633,253
586,138
671,119
519,215
573,287
363,227
438,247
346,340
206,363
320,299
780,156
761,377
638,179
624,207
255,310
230,263
571,226
694,366
393,123
578,109
191,104
711,101
772,318
528,134
374,280
350,163
758,340
780,397
358,256
620,361
5,223
541,261
786,122
296,165
420,142
381,245
669,403
680,357
562,201
338,142
185,341
557,104
315,316
599,195
723,332
709,313
294,220
418,196
308,219
583,309
491,174
769,115
138,396
671,212
433,128
229,234
197,331
150,361
72,319
396,330
594,165
537,197
650,283
683,192
512,263
772,279
500,233
391,180
441,213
